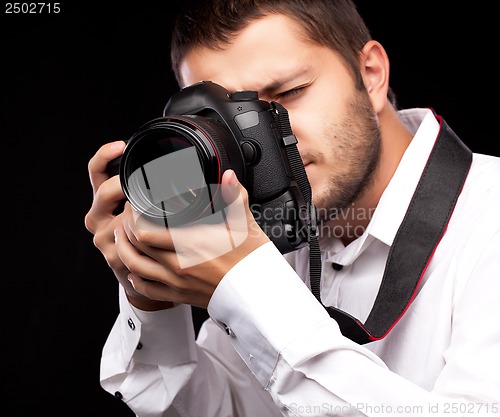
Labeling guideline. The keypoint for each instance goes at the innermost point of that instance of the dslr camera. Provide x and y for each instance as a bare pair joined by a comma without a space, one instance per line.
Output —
171,168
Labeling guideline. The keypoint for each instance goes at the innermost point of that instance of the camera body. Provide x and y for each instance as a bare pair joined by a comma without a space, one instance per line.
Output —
171,168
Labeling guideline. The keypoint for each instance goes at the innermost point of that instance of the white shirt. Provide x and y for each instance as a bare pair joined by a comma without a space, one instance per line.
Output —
270,348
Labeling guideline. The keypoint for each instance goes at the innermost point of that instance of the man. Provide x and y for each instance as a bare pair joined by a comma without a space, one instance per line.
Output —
270,348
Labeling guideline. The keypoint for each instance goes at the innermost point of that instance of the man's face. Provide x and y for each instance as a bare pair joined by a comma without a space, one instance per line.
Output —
334,123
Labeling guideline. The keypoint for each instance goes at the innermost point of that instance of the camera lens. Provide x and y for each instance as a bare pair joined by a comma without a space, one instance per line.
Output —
171,169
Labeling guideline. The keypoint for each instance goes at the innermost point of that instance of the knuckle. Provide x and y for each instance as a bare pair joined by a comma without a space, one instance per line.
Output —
99,240
113,260
181,273
133,266
142,235
89,223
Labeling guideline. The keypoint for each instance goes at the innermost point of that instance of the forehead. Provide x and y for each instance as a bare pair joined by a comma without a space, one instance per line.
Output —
263,52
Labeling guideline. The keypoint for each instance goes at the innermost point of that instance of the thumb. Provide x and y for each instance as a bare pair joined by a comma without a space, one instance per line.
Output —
238,216
236,213
232,189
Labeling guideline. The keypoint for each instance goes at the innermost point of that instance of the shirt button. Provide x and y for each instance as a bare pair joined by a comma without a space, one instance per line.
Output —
131,323
118,395
228,330
336,266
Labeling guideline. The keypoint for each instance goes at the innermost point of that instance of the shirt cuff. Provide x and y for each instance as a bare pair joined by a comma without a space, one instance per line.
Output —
163,337
263,305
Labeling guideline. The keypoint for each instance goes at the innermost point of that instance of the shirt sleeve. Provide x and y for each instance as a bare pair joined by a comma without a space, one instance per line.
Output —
298,354
142,350
152,361
472,370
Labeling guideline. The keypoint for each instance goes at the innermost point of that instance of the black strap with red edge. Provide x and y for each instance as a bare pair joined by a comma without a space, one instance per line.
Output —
415,242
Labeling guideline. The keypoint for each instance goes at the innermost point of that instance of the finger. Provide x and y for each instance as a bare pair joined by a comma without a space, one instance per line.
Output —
137,261
150,289
154,276
144,232
162,292
107,198
158,235
98,163
109,195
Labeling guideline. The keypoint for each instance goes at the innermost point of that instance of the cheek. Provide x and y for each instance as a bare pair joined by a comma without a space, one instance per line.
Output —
308,125
321,109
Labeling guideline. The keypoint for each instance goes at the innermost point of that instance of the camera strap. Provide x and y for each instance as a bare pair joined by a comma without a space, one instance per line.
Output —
416,240
299,172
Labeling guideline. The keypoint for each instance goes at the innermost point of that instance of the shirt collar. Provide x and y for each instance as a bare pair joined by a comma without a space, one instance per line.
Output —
396,198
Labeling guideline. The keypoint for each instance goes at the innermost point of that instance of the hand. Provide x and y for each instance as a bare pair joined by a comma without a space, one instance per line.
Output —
101,220
184,264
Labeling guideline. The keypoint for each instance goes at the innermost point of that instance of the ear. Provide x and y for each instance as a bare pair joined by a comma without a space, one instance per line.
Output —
374,68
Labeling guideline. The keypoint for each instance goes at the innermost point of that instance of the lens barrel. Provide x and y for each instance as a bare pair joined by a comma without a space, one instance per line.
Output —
171,169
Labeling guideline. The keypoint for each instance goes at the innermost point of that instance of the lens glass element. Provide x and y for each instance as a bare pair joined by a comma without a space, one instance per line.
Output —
164,175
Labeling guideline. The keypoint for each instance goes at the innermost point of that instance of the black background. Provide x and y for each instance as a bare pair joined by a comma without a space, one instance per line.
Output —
94,73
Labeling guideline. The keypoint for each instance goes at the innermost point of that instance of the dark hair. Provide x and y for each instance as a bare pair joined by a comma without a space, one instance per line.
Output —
335,24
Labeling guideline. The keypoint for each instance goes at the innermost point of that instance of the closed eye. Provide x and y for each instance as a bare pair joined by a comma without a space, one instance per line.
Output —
290,93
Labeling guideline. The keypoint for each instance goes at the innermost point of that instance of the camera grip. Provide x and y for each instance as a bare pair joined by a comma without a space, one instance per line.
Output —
113,167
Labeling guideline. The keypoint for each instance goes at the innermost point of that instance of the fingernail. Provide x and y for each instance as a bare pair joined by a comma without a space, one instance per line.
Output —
131,281
233,180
